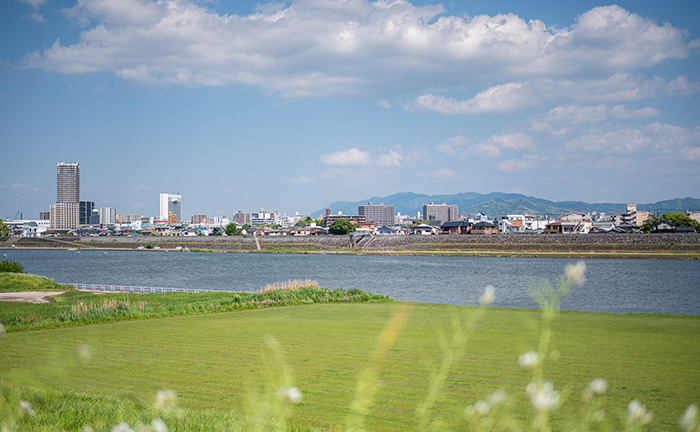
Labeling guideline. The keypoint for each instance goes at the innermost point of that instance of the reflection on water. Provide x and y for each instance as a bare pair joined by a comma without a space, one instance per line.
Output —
621,286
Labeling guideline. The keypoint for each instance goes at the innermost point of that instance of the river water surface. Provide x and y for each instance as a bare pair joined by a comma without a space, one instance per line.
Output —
612,285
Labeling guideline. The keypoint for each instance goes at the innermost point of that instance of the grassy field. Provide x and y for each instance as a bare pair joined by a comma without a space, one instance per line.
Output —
215,363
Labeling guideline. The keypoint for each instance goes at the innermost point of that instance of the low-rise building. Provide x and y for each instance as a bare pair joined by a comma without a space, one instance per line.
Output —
484,228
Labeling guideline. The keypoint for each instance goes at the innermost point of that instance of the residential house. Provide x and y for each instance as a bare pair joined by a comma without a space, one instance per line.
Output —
455,227
424,229
484,228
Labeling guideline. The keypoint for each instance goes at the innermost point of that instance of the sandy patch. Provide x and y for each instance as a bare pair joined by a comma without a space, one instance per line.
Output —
30,296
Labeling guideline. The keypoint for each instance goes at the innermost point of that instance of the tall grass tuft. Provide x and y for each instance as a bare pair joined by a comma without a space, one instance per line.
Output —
290,285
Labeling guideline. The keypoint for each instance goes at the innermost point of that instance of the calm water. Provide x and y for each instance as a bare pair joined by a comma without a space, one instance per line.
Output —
619,286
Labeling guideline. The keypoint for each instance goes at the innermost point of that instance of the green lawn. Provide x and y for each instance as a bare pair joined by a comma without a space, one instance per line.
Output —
215,361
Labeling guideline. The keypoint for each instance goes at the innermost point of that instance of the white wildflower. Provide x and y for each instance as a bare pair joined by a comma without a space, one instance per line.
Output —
690,418
85,352
497,397
166,401
575,273
158,425
481,407
598,386
528,360
122,427
637,413
543,397
292,394
487,297
26,408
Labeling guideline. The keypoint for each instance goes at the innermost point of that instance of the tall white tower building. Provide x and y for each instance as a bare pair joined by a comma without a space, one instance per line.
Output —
170,203
65,212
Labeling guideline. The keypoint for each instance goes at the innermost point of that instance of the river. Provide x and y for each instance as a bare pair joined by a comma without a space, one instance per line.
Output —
612,285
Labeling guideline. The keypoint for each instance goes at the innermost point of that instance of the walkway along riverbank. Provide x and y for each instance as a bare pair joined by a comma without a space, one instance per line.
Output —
666,246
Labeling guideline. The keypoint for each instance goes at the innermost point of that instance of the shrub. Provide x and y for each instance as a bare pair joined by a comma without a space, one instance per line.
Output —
8,266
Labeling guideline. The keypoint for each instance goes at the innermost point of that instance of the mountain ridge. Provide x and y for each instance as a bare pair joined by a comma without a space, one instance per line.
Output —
499,204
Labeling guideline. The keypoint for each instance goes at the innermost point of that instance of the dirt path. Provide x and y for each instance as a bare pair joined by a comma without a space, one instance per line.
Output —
30,296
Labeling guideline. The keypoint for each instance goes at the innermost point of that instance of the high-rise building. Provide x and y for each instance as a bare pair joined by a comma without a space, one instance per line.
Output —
380,214
44,215
241,218
68,184
64,216
264,217
108,216
128,218
65,212
440,213
170,203
86,208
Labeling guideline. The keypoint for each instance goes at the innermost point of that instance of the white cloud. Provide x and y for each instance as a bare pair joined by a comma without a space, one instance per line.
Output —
35,4
514,141
390,159
443,173
660,138
142,187
513,165
23,188
349,157
512,96
453,146
501,98
230,191
325,47
384,104
457,146
622,112
558,120
302,180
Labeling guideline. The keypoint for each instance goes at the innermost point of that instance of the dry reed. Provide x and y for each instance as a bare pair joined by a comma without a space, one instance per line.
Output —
290,285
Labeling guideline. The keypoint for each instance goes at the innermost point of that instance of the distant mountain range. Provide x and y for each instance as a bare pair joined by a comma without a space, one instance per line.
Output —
498,204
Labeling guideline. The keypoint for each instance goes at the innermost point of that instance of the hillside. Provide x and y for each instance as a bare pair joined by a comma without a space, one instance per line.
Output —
498,203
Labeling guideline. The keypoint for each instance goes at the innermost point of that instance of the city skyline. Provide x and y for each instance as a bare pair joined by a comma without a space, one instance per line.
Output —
293,106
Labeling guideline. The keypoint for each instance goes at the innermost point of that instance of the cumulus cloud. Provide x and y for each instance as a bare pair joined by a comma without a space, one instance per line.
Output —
560,120
509,97
622,112
323,47
662,138
520,164
501,98
23,188
491,147
443,173
348,157
390,159
35,4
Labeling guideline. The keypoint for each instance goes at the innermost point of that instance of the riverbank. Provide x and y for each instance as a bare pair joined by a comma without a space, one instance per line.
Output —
656,246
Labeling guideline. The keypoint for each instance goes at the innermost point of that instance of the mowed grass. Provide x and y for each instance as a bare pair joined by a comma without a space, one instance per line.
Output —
214,361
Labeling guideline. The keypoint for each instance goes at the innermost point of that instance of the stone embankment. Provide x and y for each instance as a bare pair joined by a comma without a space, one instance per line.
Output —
415,243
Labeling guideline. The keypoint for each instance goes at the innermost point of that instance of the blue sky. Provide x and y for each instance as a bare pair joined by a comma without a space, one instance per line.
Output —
293,105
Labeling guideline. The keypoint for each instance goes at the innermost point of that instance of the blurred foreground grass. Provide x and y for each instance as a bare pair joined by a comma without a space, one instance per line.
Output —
213,361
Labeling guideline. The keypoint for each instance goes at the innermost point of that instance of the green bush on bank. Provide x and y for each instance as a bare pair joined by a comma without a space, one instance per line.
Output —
81,308
7,266
19,282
